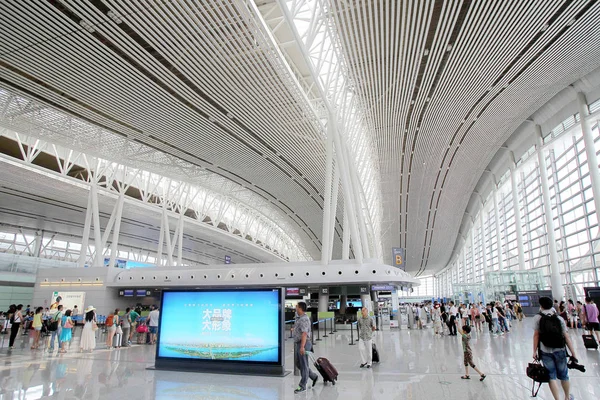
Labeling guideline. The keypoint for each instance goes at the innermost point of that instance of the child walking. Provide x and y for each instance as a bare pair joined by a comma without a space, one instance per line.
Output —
468,353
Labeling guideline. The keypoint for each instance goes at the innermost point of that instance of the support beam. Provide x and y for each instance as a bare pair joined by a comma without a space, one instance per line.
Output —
180,240
347,188
114,245
333,214
557,285
498,231
326,237
346,236
590,150
98,259
483,252
517,210
161,239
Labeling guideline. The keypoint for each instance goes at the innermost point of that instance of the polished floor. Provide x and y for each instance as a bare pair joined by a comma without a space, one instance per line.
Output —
414,365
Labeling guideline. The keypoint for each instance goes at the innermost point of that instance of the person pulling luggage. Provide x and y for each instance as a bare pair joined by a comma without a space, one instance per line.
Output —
303,345
365,335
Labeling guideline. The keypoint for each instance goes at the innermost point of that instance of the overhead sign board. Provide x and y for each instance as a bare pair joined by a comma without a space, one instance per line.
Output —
227,259
364,290
398,258
382,288
324,290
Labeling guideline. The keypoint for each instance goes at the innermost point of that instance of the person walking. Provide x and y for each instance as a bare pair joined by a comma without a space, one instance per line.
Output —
436,318
111,325
153,323
549,339
16,318
518,311
67,330
55,324
572,310
452,319
126,327
464,314
302,345
88,334
495,318
366,327
465,333
134,315
591,317
37,327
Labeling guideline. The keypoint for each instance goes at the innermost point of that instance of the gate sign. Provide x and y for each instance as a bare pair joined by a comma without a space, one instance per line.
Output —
398,258
227,259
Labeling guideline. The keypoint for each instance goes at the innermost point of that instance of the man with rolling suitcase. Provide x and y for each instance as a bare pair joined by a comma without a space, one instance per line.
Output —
591,324
303,345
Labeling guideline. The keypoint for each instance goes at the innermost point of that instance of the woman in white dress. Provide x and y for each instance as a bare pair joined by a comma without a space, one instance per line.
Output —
88,335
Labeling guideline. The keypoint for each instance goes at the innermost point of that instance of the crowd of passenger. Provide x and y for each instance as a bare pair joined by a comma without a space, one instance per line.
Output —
56,325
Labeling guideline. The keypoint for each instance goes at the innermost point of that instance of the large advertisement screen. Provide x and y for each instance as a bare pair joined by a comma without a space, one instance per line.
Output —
223,325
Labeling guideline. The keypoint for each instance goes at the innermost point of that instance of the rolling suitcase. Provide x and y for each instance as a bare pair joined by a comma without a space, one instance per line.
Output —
375,354
590,342
117,340
326,369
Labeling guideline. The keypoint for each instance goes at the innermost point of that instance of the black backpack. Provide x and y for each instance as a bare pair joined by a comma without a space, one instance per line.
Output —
551,332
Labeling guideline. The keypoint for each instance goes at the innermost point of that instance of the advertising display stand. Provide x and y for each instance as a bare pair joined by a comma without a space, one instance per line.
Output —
229,331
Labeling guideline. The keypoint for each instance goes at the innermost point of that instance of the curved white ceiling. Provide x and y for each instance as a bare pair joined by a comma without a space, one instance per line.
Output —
443,85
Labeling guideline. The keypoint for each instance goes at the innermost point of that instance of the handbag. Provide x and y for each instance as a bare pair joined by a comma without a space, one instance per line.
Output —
94,326
539,374
68,324
142,328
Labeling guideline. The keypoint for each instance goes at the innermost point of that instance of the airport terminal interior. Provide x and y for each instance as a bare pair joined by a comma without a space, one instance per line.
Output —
299,199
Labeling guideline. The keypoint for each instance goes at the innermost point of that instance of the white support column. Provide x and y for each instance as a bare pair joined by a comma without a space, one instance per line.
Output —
98,259
590,150
37,243
517,210
473,249
323,302
86,232
356,189
498,231
557,284
114,246
483,252
161,239
180,240
167,230
464,262
347,188
333,214
346,235
326,236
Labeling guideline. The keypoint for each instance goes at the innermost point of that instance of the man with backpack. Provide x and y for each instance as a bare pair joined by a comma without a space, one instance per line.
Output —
549,340
55,327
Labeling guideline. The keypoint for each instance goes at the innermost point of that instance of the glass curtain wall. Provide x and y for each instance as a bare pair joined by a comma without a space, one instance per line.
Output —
572,207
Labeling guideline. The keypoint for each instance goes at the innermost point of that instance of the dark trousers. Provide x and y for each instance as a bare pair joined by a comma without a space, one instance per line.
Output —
13,333
452,325
304,364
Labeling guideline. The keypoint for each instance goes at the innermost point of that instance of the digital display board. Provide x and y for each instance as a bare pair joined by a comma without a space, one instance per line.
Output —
140,293
292,291
128,292
234,326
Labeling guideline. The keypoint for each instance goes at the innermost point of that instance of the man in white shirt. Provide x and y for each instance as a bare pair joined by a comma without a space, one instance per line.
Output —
153,323
451,321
